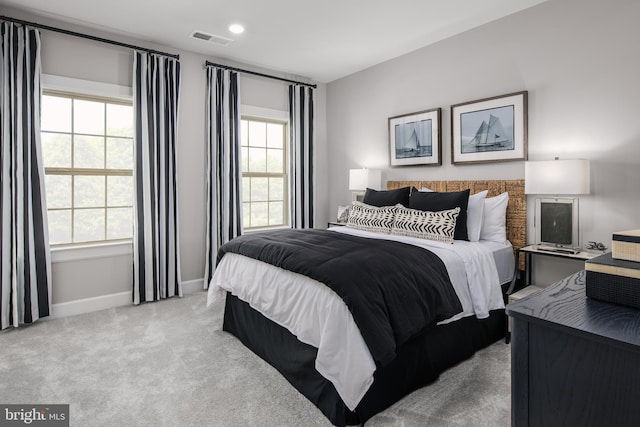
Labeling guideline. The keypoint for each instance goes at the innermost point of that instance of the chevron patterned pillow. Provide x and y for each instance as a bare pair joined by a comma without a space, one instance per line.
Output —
437,226
371,218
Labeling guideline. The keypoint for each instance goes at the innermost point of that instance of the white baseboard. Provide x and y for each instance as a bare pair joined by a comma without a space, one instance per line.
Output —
87,305
192,286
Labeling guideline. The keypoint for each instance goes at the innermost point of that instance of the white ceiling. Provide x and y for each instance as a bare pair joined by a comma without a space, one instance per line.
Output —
322,40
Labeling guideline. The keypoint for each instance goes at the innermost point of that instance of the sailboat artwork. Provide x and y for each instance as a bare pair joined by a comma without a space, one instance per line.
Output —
490,134
490,129
413,139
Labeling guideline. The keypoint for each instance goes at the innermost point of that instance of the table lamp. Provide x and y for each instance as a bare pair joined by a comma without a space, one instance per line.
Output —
361,179
556,218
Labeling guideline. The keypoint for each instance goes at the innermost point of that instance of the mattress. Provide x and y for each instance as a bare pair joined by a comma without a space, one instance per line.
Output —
504,257
318,317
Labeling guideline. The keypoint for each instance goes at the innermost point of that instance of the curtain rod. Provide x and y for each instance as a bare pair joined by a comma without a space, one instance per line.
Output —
87,36
240,70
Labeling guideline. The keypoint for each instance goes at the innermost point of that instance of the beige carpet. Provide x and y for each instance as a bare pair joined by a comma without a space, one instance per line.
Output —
169,364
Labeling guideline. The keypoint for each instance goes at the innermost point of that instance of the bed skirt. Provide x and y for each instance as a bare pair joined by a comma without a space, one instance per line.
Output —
418,362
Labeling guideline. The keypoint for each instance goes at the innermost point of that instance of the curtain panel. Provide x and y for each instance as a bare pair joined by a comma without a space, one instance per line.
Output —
25,265
302,155
224,175
156,88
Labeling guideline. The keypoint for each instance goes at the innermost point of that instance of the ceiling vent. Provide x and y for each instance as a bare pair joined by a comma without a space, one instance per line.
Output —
200,35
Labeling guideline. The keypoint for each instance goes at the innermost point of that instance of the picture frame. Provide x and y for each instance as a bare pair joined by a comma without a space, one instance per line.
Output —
416,138
490,129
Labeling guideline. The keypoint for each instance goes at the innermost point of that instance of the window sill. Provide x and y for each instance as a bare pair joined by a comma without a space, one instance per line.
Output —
90,251
258,230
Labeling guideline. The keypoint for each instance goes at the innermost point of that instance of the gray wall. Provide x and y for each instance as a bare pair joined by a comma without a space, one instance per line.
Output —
577,59
580,63
83,59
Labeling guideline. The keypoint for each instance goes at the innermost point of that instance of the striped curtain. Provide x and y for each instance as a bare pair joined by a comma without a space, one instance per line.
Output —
224,176
302,165
25,261
156,86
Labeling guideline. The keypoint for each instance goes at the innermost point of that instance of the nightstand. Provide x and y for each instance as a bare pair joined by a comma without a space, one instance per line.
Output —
529,289
524,293
336,224
530,251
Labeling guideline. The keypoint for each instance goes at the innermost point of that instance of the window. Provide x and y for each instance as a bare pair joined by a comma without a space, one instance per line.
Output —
264,177
87,147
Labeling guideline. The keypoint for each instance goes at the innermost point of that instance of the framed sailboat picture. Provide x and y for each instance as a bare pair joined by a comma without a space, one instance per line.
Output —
415,139
490,130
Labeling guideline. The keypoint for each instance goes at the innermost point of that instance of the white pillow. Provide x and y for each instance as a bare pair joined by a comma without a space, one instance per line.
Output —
494,223
475,215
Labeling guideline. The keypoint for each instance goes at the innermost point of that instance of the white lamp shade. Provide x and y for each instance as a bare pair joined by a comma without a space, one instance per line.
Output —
361,179
557,177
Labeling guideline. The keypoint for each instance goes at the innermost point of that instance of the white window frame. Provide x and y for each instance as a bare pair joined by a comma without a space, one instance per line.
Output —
81,251
247,112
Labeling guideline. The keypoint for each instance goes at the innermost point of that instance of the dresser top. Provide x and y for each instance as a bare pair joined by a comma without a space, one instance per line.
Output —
565,306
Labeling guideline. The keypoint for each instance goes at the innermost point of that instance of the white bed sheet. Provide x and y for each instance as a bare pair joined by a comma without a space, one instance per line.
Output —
318,317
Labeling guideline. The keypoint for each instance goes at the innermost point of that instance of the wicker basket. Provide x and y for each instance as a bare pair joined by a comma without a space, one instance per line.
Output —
613,280
626,245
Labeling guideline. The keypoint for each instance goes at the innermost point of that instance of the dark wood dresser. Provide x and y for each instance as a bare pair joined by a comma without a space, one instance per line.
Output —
575,361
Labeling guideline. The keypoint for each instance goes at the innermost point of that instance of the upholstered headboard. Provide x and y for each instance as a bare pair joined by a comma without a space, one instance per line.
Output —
516,209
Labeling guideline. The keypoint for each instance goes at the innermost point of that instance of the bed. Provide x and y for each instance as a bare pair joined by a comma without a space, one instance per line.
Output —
343,369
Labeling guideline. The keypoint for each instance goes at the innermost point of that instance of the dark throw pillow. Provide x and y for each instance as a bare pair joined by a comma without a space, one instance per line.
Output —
387,198
435,201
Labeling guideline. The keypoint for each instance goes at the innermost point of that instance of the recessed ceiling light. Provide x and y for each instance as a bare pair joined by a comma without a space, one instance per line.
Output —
236,28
